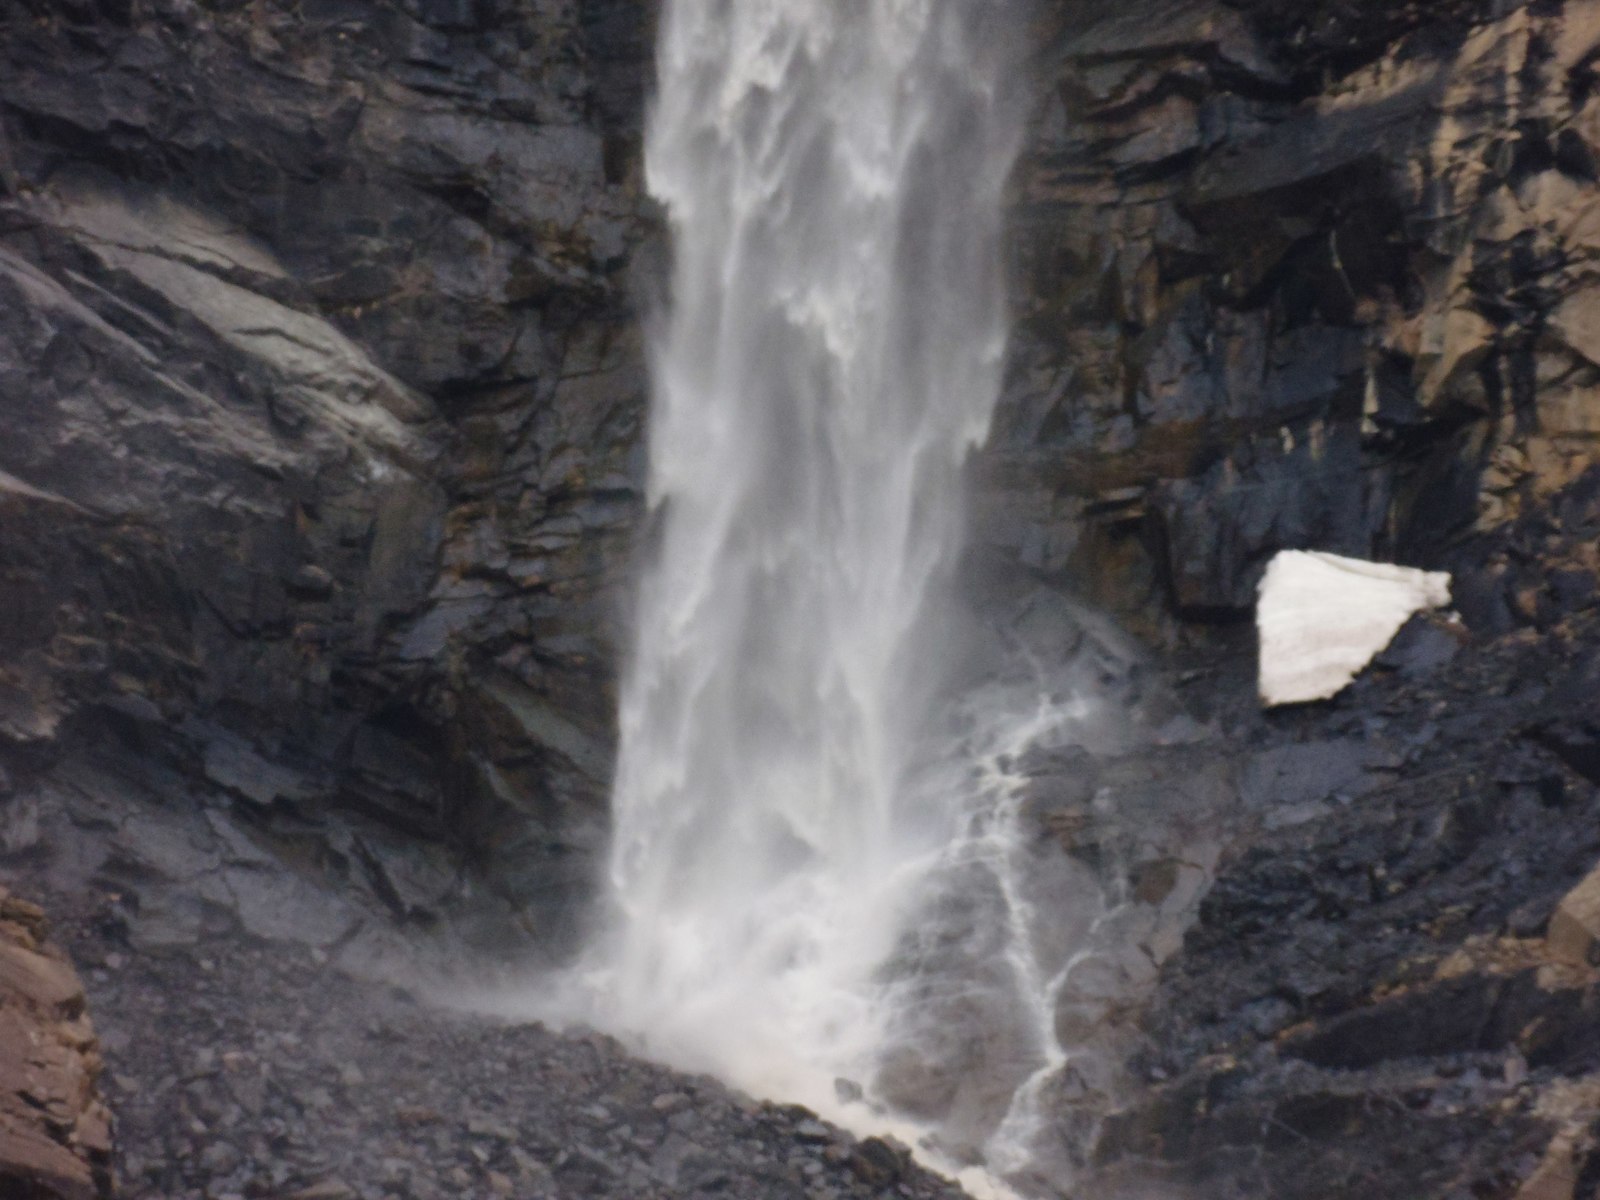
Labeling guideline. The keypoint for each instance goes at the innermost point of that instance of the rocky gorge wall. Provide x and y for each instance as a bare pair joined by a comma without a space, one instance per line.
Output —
1320,276
1299,276
322,392
321,387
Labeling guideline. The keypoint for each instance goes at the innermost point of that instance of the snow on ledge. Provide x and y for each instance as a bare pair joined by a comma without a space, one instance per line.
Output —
1322,618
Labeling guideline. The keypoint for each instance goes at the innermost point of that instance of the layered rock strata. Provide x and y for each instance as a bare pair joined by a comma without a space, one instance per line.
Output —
1299,277
319,391
1313,277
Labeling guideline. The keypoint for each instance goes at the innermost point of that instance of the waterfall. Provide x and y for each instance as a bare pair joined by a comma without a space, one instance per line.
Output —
833,172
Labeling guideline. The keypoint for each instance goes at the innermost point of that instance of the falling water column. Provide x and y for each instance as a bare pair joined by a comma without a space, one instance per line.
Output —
832,171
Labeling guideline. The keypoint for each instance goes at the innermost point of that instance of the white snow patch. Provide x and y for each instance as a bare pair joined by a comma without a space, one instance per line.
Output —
1322,618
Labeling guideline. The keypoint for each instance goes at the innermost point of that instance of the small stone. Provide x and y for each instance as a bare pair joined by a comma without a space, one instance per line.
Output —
219,1158
878,1162
813,1131
312,582
327,1189
670,1102
1516,1069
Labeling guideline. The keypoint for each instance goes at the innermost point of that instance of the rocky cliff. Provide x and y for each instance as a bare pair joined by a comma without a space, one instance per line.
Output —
1322,276
1300,276
320,426
321,391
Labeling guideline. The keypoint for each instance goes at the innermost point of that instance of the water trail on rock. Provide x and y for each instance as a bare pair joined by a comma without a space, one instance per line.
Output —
833,173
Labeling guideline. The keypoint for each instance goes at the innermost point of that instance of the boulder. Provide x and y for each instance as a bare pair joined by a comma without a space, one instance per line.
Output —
55,1134
1574,933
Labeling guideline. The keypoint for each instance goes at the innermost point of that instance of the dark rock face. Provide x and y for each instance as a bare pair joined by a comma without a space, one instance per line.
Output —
1296,276
255,1069
1371,985
1316,276
319,396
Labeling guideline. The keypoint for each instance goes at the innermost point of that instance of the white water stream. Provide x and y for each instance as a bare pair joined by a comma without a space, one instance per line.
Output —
802,893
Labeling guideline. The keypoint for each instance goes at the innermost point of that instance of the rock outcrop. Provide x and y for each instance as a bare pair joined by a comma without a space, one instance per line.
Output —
1374,981
1299,277
319,396
1315,277
55,1134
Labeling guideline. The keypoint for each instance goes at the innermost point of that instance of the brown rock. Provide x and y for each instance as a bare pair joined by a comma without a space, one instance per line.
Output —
33,1164
327,1189
55,1135
1575,927
879,1162
1556,1176
39,980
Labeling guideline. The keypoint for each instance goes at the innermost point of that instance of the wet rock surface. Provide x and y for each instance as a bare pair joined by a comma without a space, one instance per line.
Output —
1382,972
239,1067
1313,277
